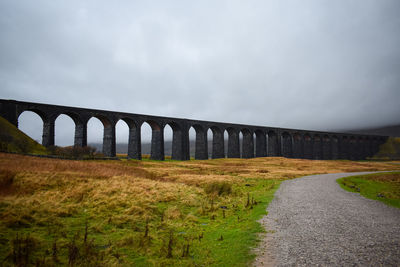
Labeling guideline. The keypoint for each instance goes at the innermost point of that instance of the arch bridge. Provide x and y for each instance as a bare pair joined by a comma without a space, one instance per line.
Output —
244,141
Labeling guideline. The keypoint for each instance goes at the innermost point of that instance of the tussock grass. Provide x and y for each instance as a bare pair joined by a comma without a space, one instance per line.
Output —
143,213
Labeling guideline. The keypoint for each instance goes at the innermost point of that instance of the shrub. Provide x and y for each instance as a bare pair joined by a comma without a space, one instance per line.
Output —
6,179
218,188
74,152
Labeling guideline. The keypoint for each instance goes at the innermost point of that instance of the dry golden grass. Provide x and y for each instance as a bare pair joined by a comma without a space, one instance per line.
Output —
128,192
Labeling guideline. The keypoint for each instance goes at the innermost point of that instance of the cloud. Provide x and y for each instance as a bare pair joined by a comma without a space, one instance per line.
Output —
327,65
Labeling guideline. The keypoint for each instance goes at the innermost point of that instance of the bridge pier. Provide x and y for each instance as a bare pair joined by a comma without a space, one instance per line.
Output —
233,144
180,143
218,144
261,144
201,150
273,145
286,145
80,139
135,142
297,146
248,145
326,148
109,141
48,133
157,143
317,147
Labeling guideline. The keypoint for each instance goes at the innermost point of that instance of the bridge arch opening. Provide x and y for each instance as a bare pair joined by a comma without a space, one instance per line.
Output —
145,140
233,145
64,130
95,132
218,142
335,147
31,123
241,144
273,144
152,133
317,147
192,142
168,140
287,145
247,144
226,139
122,136
307,146
201,150
326,147
297,145
344,147
261,143
352,148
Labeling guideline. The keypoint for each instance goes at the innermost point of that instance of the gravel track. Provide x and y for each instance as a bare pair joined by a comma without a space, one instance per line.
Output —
313,222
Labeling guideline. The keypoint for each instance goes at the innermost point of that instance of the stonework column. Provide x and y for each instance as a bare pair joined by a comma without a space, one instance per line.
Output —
261,144
48,133
248,145
233,144
326,148
80,139
273,145
157,143
109,141
218,144
201,144
134,142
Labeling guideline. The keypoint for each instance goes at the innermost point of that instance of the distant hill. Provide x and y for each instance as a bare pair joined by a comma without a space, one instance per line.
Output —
14,140
393,131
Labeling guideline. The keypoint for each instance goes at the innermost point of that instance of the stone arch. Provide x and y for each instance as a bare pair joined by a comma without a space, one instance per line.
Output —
261,143
48,125
273,144
297,146
201,143
335,147
218,150
247,143
64,130
43,115
80,131
308,146
326,147
287,150
317,147
233,143
35,124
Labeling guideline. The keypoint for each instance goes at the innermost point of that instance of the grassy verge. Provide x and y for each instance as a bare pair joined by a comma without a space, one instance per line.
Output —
143,213
384,187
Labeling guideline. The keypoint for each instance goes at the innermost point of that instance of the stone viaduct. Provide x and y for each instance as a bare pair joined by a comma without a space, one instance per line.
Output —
258,141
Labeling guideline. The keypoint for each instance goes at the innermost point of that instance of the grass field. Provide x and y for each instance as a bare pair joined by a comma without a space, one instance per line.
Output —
384,187
128,212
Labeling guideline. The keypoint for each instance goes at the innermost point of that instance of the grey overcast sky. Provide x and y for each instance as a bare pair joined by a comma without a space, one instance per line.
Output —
310,64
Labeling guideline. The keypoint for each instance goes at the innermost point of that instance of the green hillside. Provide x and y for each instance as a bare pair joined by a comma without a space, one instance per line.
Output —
13,140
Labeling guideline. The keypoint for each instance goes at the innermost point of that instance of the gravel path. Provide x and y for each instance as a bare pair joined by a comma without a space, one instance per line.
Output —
312,221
